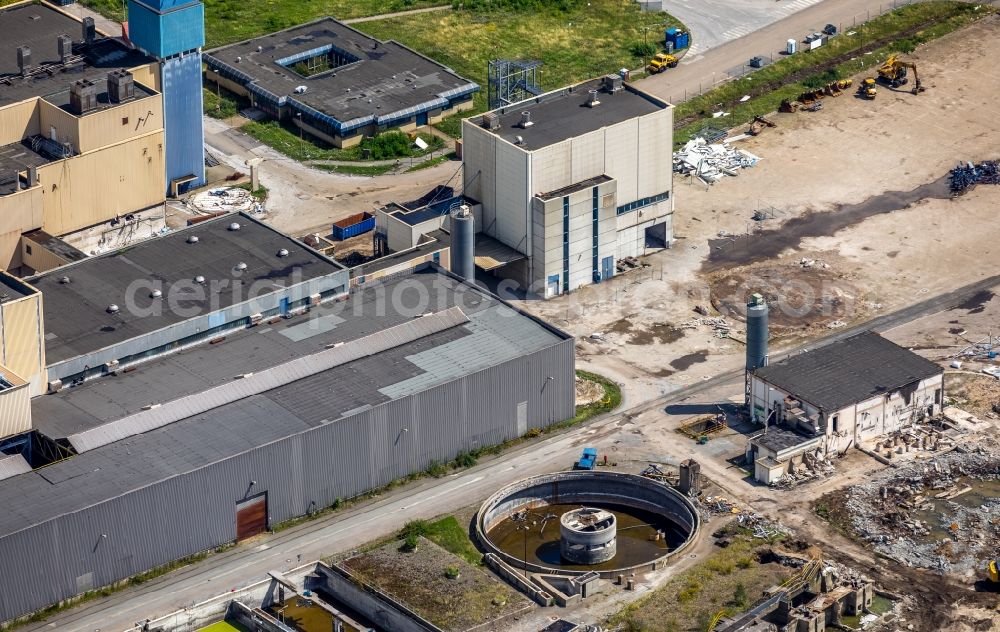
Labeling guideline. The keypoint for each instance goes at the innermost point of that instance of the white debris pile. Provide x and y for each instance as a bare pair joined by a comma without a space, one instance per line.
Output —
711,162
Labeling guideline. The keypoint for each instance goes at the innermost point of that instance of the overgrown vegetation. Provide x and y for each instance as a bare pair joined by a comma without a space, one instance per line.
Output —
447,533
290,141
433,162
843,56
726,583
221,105
574,39
228,21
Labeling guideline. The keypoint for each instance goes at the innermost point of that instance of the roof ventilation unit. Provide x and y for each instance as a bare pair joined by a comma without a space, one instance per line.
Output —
64,280
23,59
526,121
89,31
518,140
592,100
200,280
121,86
65,46
613,83
156,294
83,96
283,252
193,239
240,266
234,226
112,309
491,121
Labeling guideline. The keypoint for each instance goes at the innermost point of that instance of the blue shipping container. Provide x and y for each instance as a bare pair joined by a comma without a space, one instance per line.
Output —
353,226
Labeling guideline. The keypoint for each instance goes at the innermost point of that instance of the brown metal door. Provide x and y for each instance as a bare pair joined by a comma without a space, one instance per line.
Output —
251,517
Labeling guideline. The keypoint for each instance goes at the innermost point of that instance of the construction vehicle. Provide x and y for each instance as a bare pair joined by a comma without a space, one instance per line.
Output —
587,460
660,62
993,572
867,88
893,72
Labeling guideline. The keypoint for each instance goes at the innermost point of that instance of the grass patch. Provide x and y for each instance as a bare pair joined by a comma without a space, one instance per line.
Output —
221,105
842,57
358,170
452,125
433,162
575,39
726,583
259,194
447,533
228,21
288,140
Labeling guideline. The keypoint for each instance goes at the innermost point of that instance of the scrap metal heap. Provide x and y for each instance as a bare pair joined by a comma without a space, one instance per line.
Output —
966,176
711,162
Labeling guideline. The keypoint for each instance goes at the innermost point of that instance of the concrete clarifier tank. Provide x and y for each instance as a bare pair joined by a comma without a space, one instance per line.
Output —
463,243
587,536
756,332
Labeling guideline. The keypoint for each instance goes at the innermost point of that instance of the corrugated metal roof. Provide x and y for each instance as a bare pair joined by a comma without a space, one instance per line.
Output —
848,371
253,384
234,428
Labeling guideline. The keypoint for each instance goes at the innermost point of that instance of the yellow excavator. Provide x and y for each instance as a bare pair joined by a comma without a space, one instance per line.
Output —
893,72
993,572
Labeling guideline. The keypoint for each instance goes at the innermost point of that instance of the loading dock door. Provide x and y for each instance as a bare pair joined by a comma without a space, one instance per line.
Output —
656,236
251,517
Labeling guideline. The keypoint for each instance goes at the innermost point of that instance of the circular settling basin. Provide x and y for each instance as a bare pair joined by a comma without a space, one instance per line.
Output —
521,522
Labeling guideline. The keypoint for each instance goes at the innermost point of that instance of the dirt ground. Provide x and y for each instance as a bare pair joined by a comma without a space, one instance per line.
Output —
827,175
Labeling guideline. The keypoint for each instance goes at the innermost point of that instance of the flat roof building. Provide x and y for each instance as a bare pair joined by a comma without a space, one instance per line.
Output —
105,313
187,452
575,180
845,394
80,115
337,83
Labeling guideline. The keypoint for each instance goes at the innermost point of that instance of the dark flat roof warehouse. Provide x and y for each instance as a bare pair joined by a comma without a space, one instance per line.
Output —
38,26
848,371
78,296
14,158
557,116
370,78
488,333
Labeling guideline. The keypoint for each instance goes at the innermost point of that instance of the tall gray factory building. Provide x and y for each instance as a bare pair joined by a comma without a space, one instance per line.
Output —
183,432
575,180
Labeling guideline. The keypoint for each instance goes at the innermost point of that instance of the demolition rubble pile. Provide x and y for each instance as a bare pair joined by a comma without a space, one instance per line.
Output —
711,162
814,466
966,176
934,513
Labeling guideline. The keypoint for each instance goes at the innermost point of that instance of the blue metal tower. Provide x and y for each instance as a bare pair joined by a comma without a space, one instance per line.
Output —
173,31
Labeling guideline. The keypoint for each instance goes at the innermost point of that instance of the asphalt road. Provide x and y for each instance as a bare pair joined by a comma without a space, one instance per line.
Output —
701,70
348,530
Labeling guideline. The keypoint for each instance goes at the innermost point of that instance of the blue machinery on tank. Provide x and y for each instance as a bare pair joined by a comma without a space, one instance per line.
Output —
173,31
756,343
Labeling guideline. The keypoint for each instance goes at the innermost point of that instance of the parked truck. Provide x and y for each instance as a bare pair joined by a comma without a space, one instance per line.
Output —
588,460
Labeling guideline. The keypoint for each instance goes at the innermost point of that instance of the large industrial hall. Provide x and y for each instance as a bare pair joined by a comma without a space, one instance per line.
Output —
191,441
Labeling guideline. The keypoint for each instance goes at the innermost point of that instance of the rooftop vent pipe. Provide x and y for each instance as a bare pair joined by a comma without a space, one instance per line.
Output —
526,121
234,226
592,100
112,309
65,44
23,59
89,31
193,239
